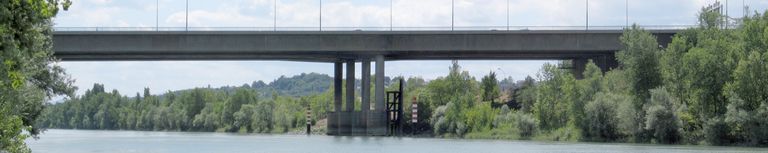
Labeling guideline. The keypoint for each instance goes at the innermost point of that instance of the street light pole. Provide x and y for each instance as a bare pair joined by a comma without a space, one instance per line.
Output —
507,15
321,15
157,15
587,11
274,22
452,7
186,16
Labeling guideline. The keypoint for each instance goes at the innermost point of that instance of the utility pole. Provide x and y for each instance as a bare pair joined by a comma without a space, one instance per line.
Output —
626,13
452,7
391,5
587,11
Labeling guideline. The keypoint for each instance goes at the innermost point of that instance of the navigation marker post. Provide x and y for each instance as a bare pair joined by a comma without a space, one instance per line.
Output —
309,120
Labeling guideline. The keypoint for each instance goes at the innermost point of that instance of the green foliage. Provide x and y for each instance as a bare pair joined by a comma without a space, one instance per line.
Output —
200,109
456,86
555,93
602,121
490,86
304,84
28,73
566,133
639,59
716,131
480,117
526,94
525,124
11,136
586,89
710,17
262,117
661,118
750,80
630,119
748,125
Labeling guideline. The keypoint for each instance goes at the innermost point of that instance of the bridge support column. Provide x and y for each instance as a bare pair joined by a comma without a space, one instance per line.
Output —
334,118
378,116
577,67
349,115
365,94
604,62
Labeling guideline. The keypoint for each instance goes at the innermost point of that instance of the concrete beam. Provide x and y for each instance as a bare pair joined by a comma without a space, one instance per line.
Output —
328,46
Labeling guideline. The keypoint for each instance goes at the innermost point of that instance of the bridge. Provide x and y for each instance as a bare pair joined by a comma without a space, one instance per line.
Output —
347,47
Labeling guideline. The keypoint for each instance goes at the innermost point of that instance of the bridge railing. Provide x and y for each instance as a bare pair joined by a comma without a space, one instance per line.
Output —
428,28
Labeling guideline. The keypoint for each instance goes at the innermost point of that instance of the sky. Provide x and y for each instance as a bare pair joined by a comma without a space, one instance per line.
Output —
130,77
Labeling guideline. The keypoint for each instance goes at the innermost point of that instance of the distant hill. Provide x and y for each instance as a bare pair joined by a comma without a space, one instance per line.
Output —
296,86
303,84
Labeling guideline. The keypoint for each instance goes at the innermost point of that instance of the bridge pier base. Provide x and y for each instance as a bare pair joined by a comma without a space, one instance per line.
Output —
344,120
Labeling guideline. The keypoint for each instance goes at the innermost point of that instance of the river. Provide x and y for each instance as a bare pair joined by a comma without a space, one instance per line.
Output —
102,141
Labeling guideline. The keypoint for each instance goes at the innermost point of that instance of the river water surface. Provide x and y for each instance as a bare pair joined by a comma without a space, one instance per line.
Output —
98,141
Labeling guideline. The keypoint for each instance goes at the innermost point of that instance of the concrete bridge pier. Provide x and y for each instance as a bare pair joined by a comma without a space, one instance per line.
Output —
378,115
344,120
365,95
604,62
350,118
334,117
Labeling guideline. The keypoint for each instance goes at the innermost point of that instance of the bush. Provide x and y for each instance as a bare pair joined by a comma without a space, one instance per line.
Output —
504,110
716,131
439,123
479,118
525,124
661,119
630,119
601,118
747,126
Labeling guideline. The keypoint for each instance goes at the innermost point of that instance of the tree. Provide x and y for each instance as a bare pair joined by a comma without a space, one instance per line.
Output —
526,94
28,75
602,122
490,87
555,92
586,89
262,117
661,118
639,59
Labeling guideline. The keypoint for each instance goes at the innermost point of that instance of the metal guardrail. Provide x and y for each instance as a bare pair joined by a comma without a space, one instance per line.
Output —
432,28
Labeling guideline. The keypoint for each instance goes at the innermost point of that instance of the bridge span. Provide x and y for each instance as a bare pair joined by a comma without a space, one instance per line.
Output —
347,47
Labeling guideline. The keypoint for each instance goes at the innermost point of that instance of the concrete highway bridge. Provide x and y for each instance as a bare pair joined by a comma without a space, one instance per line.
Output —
348,47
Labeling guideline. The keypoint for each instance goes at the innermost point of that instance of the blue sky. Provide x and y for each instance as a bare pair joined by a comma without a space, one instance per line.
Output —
130,77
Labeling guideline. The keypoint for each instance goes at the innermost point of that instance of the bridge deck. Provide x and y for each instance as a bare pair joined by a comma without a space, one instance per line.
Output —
330,46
